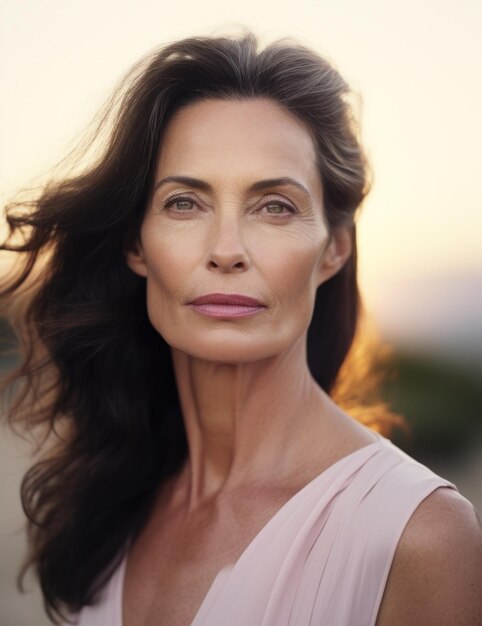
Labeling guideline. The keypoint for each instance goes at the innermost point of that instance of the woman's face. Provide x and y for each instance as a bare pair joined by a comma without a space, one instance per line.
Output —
237,209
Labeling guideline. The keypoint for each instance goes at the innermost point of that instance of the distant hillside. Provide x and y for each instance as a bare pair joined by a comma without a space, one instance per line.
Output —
440,399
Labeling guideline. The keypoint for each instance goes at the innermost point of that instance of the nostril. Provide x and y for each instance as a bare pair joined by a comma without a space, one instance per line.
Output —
239,265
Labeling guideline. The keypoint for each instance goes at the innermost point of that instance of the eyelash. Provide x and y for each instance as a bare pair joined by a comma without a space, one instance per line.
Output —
183,198
173,199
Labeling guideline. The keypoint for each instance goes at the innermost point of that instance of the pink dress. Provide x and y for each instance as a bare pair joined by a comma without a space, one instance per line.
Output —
322,559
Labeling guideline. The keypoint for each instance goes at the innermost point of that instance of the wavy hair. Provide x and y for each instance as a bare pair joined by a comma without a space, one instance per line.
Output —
94,377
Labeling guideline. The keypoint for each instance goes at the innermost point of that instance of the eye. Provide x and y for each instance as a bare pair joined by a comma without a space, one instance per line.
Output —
183,205
180,204
275,207
278,208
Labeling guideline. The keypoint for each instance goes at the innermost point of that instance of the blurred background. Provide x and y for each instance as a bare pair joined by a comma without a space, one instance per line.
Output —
416,68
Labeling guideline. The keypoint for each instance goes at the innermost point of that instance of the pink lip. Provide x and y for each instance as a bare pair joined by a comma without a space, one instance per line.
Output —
227,298
223,305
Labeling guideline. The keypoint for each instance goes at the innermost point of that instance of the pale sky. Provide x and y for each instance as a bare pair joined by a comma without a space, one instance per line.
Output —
417,66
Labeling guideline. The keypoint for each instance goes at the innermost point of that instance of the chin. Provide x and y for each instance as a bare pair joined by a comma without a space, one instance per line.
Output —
230,351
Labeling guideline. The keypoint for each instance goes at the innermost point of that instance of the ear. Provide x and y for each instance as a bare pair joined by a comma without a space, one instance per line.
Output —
337,252
135,258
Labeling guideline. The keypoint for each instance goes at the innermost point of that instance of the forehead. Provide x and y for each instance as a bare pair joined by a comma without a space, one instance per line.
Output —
239,137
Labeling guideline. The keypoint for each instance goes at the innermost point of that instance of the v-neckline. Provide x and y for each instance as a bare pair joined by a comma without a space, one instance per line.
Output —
227,568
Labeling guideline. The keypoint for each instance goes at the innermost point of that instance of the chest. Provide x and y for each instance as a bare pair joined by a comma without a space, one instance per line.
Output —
174,562
172,597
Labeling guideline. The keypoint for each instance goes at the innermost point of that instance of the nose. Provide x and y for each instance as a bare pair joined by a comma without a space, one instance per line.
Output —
227,250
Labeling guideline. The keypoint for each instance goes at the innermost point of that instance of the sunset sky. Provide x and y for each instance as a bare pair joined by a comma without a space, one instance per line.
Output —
416,65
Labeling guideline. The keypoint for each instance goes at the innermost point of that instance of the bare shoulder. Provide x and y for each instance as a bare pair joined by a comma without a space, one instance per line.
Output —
436,574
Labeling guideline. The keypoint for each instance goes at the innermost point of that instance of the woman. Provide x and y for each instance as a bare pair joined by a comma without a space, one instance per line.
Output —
196,300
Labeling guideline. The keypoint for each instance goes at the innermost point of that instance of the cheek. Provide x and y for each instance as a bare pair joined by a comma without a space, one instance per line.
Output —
293,289
293,268
169,259
298,291
169,266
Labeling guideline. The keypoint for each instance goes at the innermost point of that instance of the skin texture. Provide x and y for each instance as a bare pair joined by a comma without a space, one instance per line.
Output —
228,241
258,426
436,575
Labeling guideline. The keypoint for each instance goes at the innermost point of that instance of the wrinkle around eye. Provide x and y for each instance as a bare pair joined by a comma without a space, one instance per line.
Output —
260,207
296,212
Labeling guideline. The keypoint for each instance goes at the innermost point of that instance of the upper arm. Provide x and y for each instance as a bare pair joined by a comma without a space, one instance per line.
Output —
436,574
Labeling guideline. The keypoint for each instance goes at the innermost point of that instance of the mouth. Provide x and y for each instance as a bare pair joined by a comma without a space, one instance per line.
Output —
224,305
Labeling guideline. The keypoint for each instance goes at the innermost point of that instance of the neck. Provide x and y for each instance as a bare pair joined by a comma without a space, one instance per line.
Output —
245,420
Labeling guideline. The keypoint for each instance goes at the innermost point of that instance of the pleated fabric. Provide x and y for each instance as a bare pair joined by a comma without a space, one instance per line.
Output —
323,559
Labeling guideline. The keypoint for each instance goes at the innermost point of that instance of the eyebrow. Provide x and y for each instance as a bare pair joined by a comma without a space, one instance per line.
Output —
260,185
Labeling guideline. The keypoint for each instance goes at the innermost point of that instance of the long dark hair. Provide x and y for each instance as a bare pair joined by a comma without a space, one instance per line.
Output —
95,377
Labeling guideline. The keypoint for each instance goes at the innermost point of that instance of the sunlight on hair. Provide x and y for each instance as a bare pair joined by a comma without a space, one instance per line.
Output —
358,386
